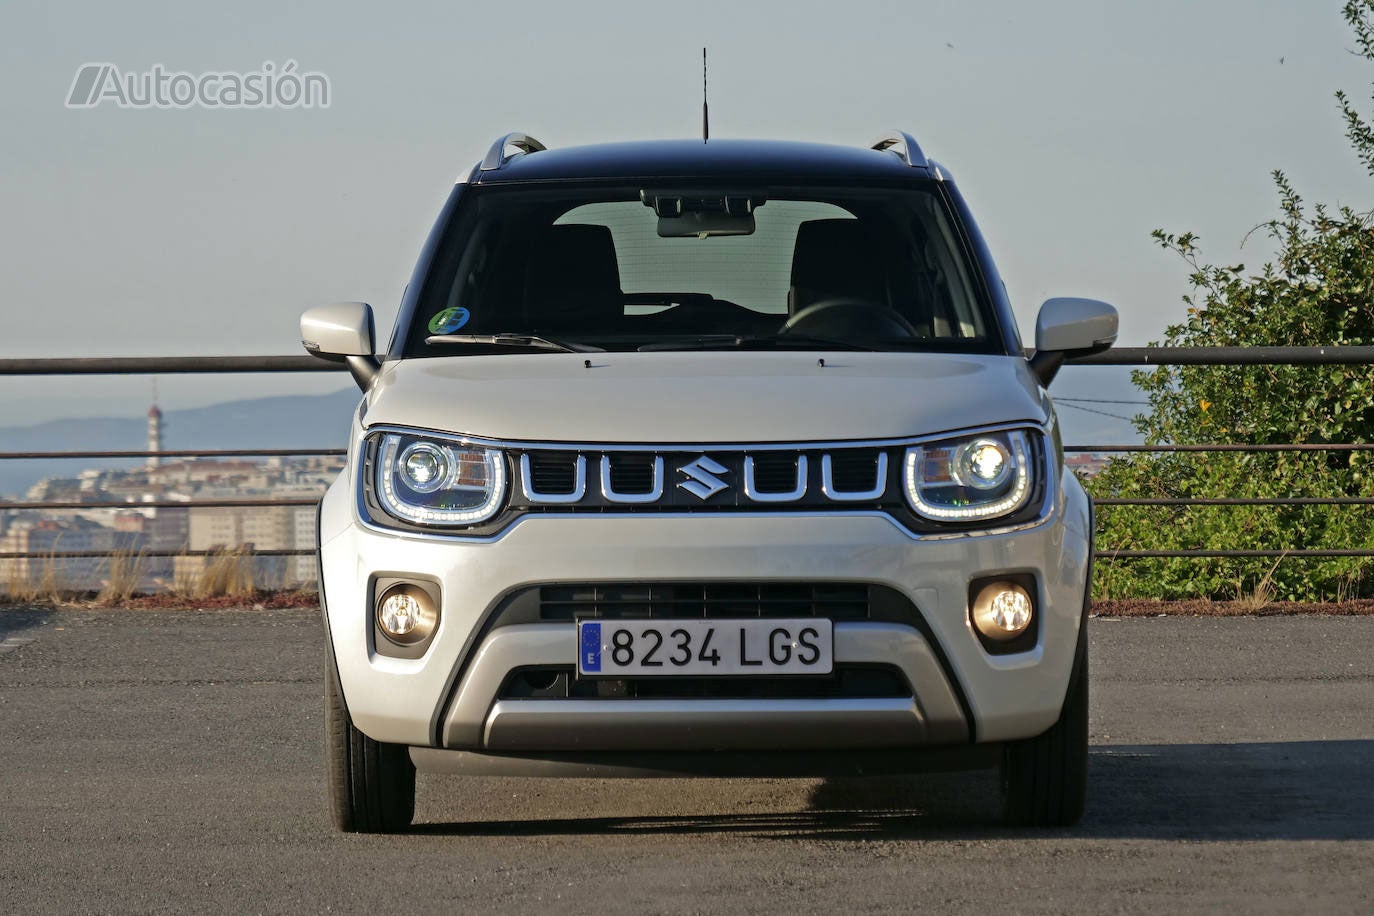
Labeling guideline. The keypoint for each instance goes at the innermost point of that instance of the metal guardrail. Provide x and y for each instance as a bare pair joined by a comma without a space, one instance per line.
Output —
1229,356
161,504
164,365
188,453
1226,554
1231,500
101,554
1119,356
1299,447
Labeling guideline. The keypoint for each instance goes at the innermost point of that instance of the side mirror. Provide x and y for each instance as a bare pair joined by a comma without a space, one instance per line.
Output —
343,333
1070,327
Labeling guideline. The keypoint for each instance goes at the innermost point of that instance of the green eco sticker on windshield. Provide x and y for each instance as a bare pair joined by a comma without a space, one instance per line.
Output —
449,320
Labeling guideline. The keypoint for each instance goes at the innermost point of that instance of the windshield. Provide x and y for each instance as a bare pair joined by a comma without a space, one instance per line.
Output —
700,268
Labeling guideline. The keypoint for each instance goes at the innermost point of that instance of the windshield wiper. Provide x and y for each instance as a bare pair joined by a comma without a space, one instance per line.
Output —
527,341
740,342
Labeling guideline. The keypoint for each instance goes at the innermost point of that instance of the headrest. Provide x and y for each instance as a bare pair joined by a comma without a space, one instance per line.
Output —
572,279
835,259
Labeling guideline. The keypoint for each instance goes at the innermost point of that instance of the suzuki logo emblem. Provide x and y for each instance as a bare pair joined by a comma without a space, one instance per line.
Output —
703,483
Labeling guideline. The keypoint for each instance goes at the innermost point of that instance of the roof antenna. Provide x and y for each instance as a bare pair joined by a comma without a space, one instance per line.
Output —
705,112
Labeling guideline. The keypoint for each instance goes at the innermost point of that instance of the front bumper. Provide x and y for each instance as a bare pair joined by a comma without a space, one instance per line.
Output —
474,721
449,697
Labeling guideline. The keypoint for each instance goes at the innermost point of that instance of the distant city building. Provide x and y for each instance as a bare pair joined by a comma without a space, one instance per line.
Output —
134,526
45,537
115,513
303,569
169,531
1086,464
154,434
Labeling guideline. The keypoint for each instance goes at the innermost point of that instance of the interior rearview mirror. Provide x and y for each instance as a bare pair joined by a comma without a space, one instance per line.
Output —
705,225
1067,327
683,214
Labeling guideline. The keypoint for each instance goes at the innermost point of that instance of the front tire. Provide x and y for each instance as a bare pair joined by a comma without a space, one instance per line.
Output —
371,784
1045,778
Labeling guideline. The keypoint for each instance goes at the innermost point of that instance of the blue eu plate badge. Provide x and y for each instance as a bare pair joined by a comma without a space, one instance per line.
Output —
591,646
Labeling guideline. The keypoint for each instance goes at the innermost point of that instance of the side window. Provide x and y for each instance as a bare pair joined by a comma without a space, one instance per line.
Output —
944,288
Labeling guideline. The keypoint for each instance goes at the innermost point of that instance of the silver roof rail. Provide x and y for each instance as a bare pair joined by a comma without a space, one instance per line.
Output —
905,146
496,156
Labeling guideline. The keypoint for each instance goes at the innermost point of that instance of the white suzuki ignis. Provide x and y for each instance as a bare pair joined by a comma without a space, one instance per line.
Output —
705,458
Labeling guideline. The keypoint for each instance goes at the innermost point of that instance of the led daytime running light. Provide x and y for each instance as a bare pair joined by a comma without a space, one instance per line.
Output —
393,447
1018,471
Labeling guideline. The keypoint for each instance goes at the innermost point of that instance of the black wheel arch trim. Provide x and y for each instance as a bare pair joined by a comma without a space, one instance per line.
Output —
332,672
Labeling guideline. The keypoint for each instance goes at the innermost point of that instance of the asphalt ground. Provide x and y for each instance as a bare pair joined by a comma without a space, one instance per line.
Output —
171,761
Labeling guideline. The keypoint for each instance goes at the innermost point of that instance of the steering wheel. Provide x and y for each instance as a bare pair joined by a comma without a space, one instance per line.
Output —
842,318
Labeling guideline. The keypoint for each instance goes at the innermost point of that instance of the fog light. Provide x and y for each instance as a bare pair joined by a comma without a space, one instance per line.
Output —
1002,611
406,614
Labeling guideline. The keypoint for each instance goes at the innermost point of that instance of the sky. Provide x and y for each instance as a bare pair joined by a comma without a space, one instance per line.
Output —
1073,128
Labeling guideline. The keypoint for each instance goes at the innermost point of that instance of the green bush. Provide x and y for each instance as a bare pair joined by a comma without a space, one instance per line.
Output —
1318,290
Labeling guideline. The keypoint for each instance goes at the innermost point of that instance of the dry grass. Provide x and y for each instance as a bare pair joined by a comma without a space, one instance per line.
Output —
1202,607
306,598
260,600
223,579
18,584
1261,596
226,573
125,572
24,586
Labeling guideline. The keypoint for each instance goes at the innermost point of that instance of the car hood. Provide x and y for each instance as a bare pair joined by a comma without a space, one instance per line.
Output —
705,396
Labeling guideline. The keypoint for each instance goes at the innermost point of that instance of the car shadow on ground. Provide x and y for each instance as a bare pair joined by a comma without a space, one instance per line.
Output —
1301,790
15,619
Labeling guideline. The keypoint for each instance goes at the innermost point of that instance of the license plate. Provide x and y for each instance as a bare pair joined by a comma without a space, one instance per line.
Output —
646,648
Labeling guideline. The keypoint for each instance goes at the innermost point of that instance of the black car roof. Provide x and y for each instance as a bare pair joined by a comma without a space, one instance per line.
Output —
699,159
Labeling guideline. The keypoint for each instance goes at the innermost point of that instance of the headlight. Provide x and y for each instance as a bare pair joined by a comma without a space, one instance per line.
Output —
424,466
969,479
433,482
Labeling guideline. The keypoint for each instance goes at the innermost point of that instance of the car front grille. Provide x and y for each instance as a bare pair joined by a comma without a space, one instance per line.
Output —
775,472
668,480
854,469
667,600
632,473
553,472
